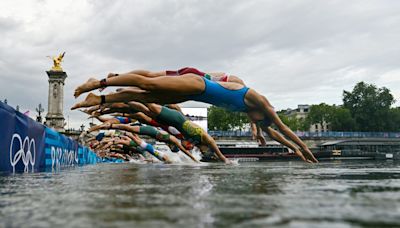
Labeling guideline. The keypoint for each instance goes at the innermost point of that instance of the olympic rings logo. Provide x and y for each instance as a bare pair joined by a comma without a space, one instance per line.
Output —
26,152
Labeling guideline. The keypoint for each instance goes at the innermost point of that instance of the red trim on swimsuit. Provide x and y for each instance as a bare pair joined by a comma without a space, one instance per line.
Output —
164,127
224,78
190,70
185,70
154,123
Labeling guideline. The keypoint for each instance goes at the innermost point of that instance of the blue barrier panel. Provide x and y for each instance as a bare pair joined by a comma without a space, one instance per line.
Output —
26,145
21,141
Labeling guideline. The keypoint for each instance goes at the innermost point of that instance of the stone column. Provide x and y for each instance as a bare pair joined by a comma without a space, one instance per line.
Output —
55,118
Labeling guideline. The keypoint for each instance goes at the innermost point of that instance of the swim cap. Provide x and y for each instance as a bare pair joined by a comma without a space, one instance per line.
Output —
174,148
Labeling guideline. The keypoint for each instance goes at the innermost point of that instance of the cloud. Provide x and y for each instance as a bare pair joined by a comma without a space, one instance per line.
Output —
294,52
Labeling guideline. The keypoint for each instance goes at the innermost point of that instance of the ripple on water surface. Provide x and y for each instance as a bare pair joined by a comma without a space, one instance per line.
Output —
280,194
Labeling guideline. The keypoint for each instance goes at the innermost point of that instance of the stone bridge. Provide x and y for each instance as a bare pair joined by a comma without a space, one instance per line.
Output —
312,139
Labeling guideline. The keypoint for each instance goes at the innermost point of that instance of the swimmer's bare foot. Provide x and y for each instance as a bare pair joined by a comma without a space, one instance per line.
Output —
86,111
89,101
89,85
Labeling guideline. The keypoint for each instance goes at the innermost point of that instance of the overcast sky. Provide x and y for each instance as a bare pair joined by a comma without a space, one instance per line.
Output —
293,52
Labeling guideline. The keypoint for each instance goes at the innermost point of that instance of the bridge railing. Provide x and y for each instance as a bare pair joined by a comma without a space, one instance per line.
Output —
230,133
307,134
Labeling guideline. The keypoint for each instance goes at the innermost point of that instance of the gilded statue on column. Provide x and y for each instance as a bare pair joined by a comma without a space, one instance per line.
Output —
57,62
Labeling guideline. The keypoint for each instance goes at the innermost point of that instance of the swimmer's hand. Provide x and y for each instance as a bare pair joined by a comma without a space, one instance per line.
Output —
306,155
235,162
167,160
261,140
228,162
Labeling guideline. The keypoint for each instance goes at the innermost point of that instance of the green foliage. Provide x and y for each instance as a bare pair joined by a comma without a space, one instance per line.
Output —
319,113
369,106
394,119
293,123
224,120
340,120
366,108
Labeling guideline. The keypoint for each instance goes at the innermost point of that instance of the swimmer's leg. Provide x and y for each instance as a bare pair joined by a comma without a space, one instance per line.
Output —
107,123
185,85
145,73
130,95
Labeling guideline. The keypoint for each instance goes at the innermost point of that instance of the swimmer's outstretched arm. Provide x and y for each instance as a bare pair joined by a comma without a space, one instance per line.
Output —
273,134
213,145
256,134
253,127
263,104
289,133
260,137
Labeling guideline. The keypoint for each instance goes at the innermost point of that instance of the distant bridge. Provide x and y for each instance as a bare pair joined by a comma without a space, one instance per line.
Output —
312,139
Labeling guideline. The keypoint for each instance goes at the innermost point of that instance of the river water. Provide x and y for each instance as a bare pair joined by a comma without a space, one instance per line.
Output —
259,194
